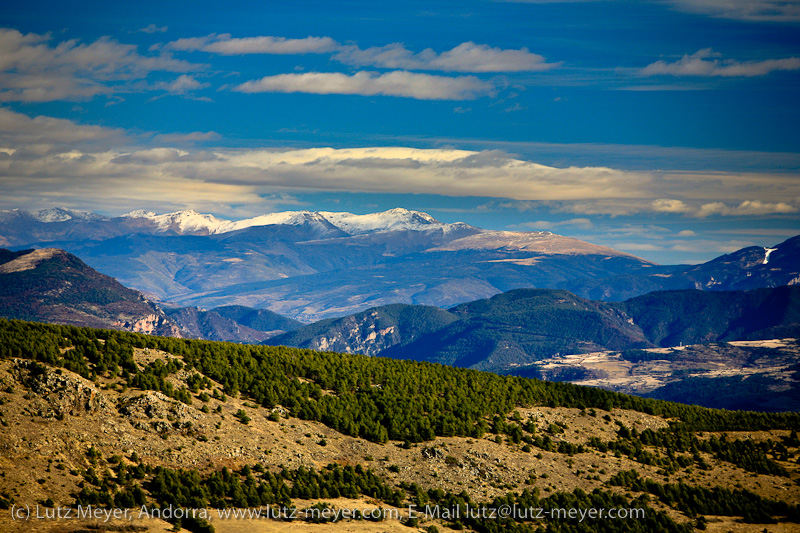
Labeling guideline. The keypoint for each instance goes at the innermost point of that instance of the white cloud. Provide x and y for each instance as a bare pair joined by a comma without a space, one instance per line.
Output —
747,207
183,84
751,10
43,134
639,247
466,57
396,83
666,205
224,44
152,28
770,232
701,64
514,108
33,71
696,246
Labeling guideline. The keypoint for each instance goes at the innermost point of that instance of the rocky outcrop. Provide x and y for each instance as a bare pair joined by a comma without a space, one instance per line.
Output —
65,393
158,411
358,334
152,324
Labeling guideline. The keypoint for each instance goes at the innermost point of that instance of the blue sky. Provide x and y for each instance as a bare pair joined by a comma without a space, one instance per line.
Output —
668,129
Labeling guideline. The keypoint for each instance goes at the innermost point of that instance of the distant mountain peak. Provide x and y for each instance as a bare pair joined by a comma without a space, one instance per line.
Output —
398,218
62,214
543,242
139,213
186,221
30,260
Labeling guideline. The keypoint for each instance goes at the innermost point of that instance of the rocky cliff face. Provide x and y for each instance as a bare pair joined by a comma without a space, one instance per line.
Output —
358,334
152,324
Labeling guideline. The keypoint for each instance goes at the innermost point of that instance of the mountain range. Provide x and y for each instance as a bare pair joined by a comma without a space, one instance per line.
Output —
315,265
50,285
523,331
231,323
753,267
525,325
312,265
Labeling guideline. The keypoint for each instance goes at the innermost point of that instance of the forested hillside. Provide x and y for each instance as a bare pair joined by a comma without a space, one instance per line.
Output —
373,398
231,323
369,332
193,424
691,317
522,326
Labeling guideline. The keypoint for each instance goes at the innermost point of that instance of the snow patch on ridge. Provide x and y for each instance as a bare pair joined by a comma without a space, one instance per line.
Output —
393,219
188,221
61,214
292,218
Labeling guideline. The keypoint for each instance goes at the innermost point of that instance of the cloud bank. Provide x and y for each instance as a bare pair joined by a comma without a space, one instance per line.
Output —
31,70
224,44
46,161
466,57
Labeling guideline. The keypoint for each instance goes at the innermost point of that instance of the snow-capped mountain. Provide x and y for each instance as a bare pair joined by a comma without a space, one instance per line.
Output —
54,214
310,265
393,219
187,222
191,222
288,218
61,214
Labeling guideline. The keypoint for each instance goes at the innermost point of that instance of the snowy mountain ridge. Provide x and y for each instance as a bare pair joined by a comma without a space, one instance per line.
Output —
190,222
54,214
